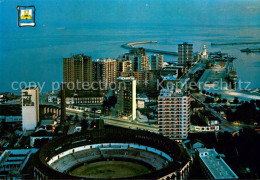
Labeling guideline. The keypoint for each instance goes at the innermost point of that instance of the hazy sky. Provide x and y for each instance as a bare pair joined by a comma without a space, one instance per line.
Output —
80,12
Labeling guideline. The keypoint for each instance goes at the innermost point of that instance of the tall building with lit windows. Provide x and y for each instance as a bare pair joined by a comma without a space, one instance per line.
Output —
139,61
185,54
174,114
77,70
156,62
105,71
126,98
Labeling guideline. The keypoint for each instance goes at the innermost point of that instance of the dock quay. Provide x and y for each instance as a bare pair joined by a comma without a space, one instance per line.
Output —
131,47
235,43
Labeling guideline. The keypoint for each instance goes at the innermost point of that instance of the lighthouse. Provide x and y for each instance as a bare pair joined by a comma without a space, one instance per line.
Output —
204,55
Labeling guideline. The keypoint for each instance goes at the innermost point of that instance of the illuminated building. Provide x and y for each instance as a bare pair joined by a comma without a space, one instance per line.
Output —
77,70
174,113
127,97
105,71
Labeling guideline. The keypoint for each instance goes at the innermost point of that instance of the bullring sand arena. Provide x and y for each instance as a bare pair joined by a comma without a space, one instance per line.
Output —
110,169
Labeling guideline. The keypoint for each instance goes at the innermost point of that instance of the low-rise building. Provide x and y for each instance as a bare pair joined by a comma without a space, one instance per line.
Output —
83,100
11,119
52,98
12,162
213,166
208,117
143,79
40,135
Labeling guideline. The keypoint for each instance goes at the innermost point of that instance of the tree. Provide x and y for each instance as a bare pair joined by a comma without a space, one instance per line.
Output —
258,103
77,118
92,124
235,101
84,115
112,100
84,125
38,143
230,115
203,92
94,111
224,100
215,95
3,126
212,100
252,101
207,100
211,94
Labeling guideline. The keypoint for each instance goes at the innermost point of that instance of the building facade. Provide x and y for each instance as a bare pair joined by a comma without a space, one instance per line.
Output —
30,108
127,97
105,72
140,61
174,114
77,70
156,62
185,54
143,79
213,166
127,66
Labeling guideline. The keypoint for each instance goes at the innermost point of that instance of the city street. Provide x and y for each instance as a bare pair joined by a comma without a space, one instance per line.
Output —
117,122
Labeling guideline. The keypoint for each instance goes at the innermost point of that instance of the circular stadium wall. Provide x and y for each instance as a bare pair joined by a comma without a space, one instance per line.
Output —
112,153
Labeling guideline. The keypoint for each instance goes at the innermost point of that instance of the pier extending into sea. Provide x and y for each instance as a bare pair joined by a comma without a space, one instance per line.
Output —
235,43
131,47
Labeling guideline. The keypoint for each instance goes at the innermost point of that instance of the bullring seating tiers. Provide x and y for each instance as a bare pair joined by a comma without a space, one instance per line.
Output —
165,158
65,163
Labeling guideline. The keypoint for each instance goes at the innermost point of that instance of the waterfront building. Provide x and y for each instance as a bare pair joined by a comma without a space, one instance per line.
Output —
156,62
30,108
213,166
140,61
77,70
126,99
185,54
105,72
174,113
143,79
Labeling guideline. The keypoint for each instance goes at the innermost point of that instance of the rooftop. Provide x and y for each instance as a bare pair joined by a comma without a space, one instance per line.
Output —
173,92
125,78
169,77
104,60
15,160
31,87
215,164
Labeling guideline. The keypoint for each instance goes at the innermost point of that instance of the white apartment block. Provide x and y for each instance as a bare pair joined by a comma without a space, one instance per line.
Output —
174,114
30,107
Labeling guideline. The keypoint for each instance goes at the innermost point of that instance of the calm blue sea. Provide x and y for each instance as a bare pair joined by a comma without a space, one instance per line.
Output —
35,54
